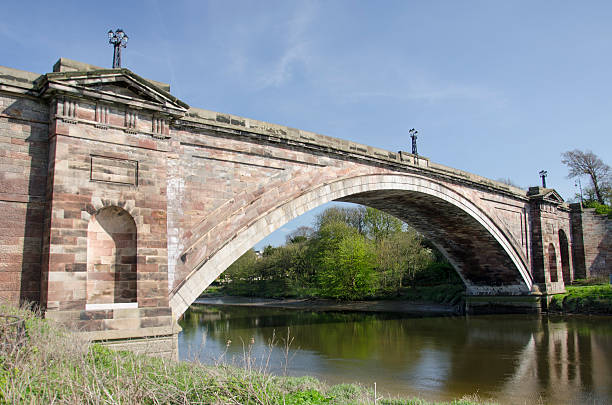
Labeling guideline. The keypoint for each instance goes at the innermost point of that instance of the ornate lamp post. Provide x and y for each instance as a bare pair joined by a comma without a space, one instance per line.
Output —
543,174
119,40
413,134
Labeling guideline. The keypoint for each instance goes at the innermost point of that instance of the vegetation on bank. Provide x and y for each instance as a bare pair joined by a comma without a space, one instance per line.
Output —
601,209
50,365
352,254
585,297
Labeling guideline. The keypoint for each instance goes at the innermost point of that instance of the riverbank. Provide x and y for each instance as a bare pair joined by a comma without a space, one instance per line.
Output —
319,304
52,365
580,298
451,294
584,299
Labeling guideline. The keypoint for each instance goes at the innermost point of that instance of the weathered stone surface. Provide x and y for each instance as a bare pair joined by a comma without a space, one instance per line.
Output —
592,243
23,177
158,346
120,204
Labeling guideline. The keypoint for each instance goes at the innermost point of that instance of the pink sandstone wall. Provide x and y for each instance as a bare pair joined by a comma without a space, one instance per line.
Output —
23,171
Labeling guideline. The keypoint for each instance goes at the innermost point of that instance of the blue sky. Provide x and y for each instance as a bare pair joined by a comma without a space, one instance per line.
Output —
497,88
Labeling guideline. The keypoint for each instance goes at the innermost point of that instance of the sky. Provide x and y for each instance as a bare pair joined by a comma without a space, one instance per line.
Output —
496,88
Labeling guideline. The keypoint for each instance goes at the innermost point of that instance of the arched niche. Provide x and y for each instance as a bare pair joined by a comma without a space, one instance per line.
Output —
565,261
111,260
552,263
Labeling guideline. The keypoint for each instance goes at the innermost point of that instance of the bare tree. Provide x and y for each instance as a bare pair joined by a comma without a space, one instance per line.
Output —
508,181
299,234
587,163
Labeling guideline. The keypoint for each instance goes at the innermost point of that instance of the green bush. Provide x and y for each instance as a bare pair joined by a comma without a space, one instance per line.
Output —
584,299
307,398
601,209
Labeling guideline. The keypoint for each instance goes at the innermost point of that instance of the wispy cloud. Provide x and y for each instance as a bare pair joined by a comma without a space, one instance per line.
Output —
426,91
296,49
281,72
351,74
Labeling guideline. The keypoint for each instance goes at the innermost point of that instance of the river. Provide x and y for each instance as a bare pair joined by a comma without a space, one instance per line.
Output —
510,359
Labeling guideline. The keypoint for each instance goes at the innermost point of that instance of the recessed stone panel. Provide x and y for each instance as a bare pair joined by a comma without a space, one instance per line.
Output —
114,170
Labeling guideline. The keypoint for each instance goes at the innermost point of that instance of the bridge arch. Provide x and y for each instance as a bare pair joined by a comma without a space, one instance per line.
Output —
480,251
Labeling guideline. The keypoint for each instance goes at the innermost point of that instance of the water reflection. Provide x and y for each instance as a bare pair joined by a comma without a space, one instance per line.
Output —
512,359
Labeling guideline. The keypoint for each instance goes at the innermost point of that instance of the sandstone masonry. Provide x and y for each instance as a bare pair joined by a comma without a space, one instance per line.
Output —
120,204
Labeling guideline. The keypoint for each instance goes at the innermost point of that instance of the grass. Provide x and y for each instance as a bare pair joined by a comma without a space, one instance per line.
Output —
584,297
55,366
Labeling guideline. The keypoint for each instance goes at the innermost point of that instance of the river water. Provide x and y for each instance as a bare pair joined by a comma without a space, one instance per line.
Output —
511,359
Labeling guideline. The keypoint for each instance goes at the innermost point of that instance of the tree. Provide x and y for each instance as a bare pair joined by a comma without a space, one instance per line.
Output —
243,268
300,234
400,257
379,225
587,163
352,216
347,263
508,181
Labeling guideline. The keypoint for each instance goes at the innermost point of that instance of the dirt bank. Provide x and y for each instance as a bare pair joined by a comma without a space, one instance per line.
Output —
408,307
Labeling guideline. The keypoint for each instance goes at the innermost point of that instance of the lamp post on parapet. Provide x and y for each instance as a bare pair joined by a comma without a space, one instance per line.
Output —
543,174
413,134
118,39
579,185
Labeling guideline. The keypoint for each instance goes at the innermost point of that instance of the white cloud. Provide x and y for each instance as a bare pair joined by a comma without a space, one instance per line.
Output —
296,49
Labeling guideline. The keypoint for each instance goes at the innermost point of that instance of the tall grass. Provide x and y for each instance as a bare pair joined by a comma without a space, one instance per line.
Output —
55,366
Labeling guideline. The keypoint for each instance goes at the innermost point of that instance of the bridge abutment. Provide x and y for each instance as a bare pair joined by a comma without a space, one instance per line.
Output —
505,304
534,302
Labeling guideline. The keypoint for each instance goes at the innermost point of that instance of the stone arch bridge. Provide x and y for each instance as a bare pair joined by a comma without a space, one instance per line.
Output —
122,203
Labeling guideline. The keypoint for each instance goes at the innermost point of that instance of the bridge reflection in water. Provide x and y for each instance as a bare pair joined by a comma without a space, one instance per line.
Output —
510,359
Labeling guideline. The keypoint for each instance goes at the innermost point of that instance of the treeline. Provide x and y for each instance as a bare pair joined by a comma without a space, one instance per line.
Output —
352,253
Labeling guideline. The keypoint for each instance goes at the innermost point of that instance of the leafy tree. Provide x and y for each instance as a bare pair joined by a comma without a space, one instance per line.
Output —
244,268
347,264
268,250
292,263
379,225
353,217
400,257
329,236
587,163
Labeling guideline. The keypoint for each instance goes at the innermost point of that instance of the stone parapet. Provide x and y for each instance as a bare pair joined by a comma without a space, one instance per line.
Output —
275,134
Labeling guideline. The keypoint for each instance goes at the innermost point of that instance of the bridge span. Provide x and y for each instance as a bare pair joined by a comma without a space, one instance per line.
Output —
124,203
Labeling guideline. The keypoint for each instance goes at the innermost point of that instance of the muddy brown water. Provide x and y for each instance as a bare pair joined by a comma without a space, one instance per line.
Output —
510,359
